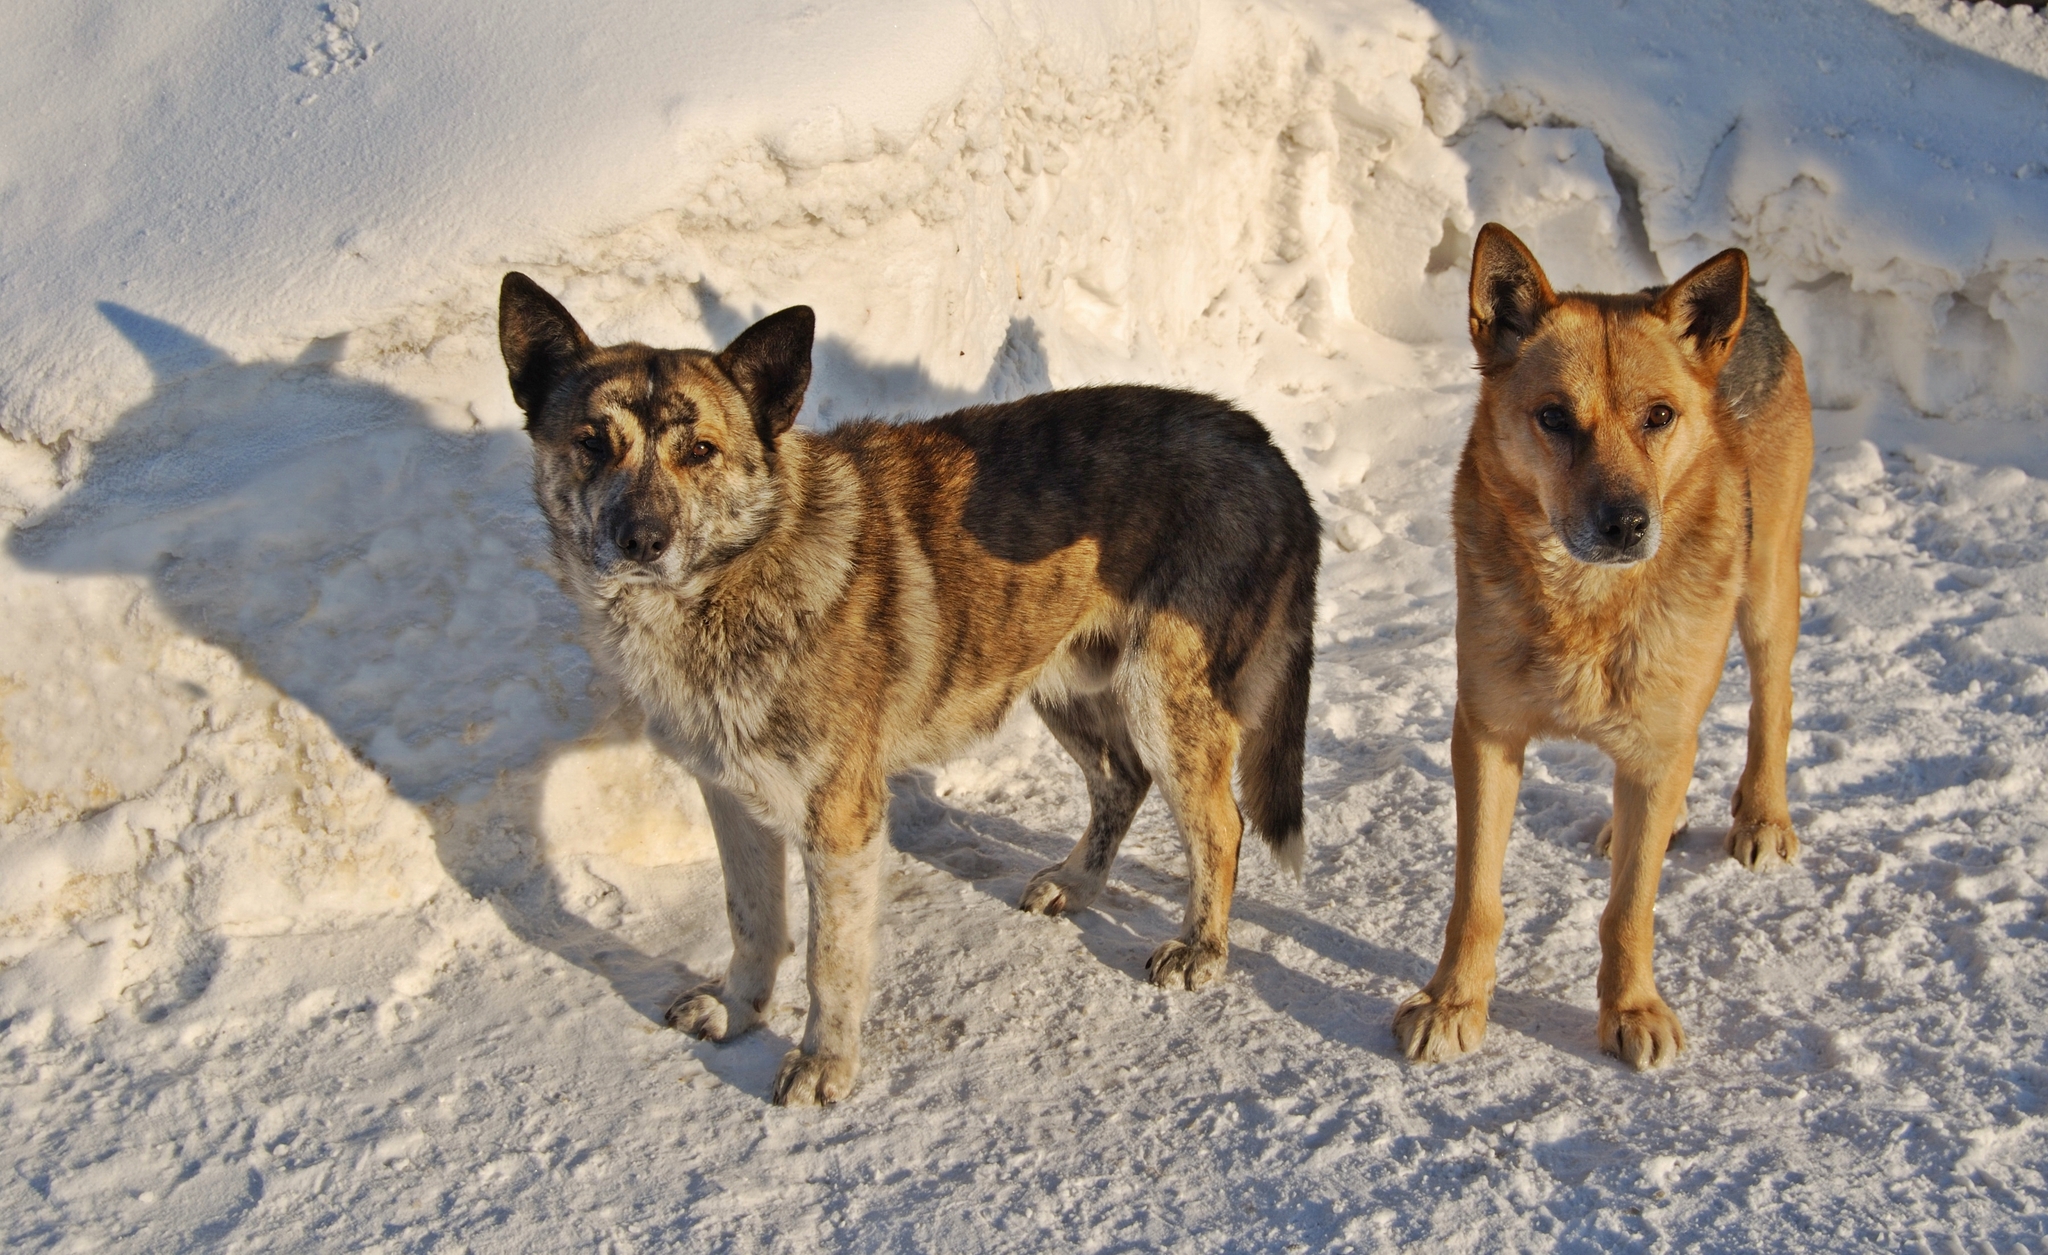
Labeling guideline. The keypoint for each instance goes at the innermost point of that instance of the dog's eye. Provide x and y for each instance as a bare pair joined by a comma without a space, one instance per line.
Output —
1554,418
1660,416
594,444
701,452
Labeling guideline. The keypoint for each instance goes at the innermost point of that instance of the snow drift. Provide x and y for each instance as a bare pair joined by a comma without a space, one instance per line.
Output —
278,665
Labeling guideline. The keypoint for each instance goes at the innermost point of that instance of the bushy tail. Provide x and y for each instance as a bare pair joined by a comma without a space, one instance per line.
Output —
1269,763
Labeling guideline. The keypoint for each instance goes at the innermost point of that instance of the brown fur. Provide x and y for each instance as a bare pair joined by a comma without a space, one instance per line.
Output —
803,615
1602,556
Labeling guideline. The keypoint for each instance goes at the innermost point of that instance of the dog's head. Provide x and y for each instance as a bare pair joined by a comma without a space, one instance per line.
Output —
650,463
1598,405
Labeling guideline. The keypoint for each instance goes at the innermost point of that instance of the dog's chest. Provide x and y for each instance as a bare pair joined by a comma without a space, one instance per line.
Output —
710,705
1636,665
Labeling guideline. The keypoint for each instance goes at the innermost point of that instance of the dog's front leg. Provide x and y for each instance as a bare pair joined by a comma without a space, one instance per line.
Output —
753,859
1447,1017
842,867
1635,1022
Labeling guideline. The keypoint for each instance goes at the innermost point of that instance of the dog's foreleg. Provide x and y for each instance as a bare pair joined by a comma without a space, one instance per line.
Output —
754,861
1635,1022
845,884
1447,1017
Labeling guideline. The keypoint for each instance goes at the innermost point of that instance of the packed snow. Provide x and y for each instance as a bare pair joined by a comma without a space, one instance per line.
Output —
340,900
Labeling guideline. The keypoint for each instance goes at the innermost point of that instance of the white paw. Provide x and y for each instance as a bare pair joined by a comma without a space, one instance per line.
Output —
1178,965
702,1012
813,1080
1055,891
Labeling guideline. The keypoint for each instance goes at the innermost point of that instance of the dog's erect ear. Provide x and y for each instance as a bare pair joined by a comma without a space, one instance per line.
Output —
1707,308
770,362
1509,296
539,339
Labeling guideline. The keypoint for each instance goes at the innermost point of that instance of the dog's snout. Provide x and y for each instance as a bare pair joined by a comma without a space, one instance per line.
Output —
1623,524
642,538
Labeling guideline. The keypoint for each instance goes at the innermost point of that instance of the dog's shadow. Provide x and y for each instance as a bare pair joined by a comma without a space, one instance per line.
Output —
385,571
998,855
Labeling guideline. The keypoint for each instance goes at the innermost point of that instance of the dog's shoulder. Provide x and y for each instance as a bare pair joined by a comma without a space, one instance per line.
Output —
1758,362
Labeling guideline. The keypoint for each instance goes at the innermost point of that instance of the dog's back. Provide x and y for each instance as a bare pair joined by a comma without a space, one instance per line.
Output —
1070,520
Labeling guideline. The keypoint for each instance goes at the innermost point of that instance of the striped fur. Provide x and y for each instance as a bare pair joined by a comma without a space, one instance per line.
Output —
803,614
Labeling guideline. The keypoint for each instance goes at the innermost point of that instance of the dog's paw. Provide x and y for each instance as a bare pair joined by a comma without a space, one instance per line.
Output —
1431,1031
1603,843
1178,965
1056,891
703,1012
813,1080
1644,1037
1762,843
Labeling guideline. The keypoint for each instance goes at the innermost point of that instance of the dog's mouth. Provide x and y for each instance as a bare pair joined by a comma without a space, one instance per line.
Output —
1589,542
614,579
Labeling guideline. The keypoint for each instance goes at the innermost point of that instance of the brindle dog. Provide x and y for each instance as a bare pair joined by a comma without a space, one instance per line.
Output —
802,614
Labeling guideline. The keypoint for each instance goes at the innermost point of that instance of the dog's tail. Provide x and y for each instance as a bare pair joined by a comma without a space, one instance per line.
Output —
1269,762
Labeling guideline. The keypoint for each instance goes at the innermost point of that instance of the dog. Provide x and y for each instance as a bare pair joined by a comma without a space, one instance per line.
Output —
802,614
1633,483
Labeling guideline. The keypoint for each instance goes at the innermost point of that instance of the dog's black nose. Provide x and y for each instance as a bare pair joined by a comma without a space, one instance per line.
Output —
643,539
1623,524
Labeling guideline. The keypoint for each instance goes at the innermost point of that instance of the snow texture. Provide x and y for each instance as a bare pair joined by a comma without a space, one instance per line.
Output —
339,900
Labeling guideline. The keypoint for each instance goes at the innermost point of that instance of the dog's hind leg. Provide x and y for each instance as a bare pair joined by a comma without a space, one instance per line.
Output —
1768,620
755,866
1447,1017
1092,728
1635,1021
1189,741
1603,841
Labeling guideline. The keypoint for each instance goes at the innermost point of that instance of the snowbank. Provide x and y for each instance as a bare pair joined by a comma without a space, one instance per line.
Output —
291,718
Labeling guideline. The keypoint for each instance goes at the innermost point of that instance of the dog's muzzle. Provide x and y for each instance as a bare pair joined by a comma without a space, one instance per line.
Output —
1618,533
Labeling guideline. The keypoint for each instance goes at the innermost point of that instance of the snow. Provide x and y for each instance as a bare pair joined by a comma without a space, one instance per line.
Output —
339,902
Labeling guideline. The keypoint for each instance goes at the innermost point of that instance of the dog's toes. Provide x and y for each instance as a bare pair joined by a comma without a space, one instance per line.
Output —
1431,1031
1603,843
813,1080
1179,965
1644,1037
1761,844
702,1013
1053,892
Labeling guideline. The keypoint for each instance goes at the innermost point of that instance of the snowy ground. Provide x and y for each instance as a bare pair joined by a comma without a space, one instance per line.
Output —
338,906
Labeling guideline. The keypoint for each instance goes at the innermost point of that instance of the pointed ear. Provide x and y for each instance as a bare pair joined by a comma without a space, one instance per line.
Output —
1707,308
539,339
770,363
1509,296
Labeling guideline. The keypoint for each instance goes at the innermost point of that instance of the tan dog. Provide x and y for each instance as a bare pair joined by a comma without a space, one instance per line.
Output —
803,614
1634,482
